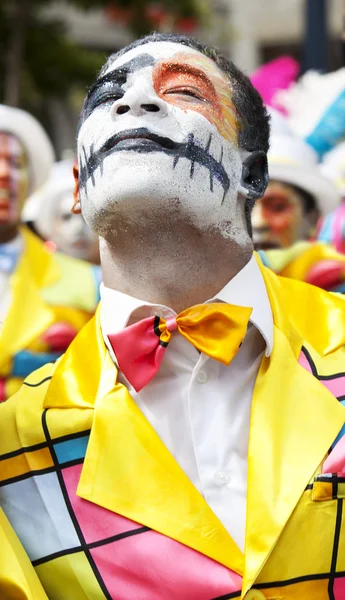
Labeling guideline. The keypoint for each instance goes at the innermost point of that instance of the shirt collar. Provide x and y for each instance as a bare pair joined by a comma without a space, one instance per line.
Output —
247,288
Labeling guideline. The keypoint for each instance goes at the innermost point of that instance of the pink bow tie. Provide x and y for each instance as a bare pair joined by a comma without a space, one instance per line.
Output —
216,329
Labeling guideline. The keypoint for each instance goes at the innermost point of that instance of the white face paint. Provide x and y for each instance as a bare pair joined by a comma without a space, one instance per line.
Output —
69,231
160,131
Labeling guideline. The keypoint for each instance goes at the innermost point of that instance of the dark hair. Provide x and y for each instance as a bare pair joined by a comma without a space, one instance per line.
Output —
309,202
253,120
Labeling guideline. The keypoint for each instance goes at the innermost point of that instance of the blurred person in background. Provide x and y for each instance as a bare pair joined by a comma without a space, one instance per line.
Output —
284,221
297,193
49,211
189,444
331,228
45,299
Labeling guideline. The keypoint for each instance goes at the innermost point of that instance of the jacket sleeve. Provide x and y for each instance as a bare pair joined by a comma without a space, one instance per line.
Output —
18,580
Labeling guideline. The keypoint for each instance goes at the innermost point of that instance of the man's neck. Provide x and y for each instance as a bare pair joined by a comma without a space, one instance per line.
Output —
175,272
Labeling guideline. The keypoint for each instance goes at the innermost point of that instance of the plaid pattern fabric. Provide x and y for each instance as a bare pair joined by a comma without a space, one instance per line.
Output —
81,550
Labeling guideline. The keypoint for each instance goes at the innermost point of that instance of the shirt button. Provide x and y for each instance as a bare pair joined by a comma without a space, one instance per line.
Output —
254,595
222,477
201,377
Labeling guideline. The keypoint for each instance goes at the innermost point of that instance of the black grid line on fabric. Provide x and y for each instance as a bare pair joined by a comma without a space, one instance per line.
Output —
27,475
38,383
71,463
23,450
316,373
228,596
69,507
294,580
335,549
310,362
41,445
71,436
104,542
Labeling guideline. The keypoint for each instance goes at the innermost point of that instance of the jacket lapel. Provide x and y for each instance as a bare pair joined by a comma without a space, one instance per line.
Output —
147,485
28,316
289,435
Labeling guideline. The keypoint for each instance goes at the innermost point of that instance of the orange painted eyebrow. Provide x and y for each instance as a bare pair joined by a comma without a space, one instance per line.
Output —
191,70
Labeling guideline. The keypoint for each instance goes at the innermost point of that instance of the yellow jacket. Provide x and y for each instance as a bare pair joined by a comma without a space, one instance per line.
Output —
119,518
53,296
18,580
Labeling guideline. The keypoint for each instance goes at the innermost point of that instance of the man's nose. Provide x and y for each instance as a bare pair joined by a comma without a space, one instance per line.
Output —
139,102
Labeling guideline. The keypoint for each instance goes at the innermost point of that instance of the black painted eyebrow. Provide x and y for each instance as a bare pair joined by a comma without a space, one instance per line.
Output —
121,73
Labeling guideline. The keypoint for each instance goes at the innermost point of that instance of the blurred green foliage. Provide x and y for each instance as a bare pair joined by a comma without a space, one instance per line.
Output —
38,60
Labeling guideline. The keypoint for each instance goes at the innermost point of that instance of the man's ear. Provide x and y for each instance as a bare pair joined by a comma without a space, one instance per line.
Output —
76,208
254,175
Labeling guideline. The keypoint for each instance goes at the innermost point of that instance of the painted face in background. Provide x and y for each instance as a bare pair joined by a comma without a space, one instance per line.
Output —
279,218
14,179
71,234
160,135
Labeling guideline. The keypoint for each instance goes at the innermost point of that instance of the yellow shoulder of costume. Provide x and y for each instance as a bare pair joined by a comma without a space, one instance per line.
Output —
296,261
24,407
318,316
77,285
18,579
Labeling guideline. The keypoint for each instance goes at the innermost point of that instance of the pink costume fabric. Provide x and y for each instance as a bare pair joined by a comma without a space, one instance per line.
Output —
273,76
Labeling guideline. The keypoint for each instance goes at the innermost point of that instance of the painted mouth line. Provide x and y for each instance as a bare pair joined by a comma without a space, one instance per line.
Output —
143,141
136,134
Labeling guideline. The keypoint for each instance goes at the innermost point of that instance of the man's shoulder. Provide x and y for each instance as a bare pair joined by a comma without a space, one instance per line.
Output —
29,426
317,316
20,416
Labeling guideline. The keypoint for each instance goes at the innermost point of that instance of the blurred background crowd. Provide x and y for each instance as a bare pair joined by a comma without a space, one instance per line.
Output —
294,52
50,51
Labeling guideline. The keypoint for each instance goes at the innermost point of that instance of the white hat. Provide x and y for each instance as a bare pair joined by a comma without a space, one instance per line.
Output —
293,161
278,122
333,167
316,108
41,206
37,145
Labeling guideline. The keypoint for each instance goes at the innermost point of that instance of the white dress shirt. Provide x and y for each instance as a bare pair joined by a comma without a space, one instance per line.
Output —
199,407
7,266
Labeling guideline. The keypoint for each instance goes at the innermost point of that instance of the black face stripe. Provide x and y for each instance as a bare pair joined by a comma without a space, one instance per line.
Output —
191,149
109,87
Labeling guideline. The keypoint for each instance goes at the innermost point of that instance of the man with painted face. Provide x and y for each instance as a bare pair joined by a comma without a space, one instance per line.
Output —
184,446
284,220
44,300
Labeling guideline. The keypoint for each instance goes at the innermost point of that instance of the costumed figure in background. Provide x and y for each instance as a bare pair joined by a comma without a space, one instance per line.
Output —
44,299
331,229
189,442
285,219
49,210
